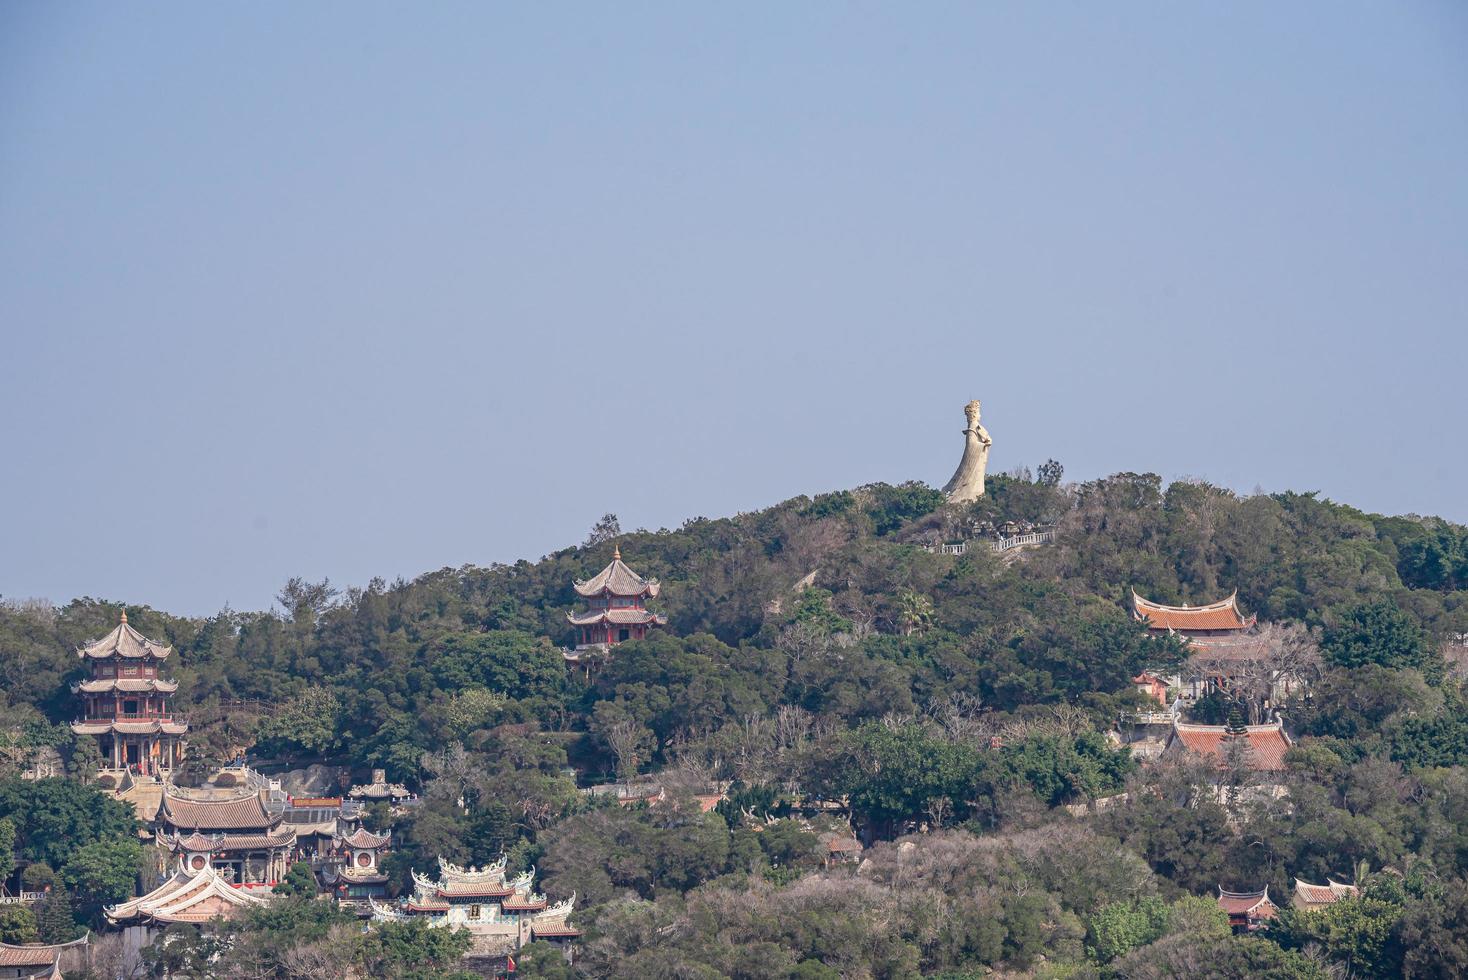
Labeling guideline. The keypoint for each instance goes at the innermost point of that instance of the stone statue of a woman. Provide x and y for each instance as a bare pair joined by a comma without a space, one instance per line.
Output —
967,484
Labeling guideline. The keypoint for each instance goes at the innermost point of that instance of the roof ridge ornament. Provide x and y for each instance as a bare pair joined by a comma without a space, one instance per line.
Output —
124,615
616,552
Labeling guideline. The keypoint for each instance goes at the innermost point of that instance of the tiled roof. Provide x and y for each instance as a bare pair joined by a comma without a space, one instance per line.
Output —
124,641
523,904
1326,894
1221,615
457,890
1267,744
101,726
128,685
242,814
231,842
28,955
365,839
1245,903
618,579
416,906
557,930
621,617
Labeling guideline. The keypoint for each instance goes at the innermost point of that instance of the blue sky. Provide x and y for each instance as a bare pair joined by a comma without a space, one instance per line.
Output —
350,289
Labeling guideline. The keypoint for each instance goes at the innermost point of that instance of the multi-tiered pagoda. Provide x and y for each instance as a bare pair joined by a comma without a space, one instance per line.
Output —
128,706
616,607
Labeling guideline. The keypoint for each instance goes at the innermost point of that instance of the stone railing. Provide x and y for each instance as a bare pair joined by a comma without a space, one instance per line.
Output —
24,898
961,548
1020,540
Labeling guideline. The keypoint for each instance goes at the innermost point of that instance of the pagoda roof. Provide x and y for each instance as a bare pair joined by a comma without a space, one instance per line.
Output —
1245,903
205,843
618,617
364,839
140,726
124,641
1267,743
128,685
246,813
518,904
1332,891
190,897
618,579
1221,615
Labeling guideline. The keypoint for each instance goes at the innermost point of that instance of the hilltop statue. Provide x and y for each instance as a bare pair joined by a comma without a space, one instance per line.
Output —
967,484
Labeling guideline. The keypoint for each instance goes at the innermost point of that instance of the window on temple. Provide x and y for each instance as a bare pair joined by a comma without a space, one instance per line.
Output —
129,707
623,635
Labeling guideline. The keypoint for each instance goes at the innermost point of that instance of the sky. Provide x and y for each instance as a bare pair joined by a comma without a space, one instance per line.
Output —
349,289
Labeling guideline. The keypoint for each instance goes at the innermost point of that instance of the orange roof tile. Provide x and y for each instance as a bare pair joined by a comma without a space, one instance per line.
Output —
1221,615
1267,744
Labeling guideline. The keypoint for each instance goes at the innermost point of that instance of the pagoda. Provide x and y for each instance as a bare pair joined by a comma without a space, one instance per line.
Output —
127,704
616,607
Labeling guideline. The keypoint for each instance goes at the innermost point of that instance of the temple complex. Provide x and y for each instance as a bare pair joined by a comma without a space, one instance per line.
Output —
500,912
236,838
616,608
127,704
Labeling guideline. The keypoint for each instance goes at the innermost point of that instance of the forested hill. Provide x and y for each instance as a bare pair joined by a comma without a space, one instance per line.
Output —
378,675
816,651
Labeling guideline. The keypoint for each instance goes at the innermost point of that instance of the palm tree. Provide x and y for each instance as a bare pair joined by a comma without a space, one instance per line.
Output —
914,612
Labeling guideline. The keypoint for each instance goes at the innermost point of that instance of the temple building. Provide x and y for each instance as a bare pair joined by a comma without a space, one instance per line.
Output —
380,790
1199,625
616,608
45,961
238,839
1308,896
1265,745
360,879
194,896
1227,649
1247,911
500,912
127,704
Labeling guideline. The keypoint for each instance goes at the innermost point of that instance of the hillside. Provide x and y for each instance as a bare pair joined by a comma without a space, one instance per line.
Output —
817,648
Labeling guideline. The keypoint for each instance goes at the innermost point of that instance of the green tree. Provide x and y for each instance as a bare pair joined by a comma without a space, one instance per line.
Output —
54,919
102,873
7,849
413,951
54,817
18,925
310,722
300,881
1377,633
1120,927
542,961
